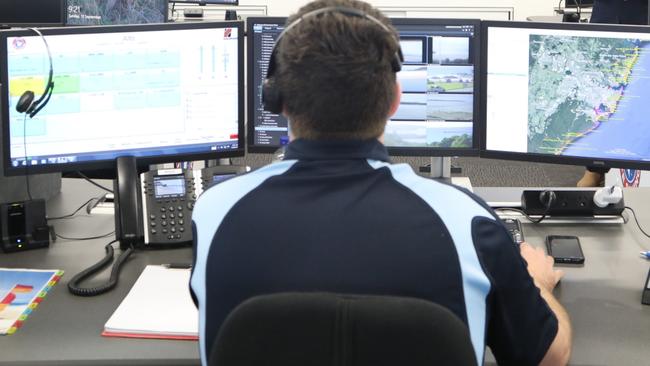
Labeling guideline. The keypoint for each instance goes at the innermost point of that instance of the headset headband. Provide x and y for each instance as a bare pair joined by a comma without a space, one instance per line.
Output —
271,96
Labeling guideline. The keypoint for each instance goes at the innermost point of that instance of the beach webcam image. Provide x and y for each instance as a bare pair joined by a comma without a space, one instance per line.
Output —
106,12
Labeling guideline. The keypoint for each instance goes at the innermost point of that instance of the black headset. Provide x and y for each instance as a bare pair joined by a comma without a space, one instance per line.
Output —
26,103
271,95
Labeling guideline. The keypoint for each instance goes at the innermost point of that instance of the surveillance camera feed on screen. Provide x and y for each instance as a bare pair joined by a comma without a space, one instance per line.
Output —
142,93
106,12
437,79
569,93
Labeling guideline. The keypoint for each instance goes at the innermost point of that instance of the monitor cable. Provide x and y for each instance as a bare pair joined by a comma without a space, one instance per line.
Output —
85,177
86,204
81,239
73,285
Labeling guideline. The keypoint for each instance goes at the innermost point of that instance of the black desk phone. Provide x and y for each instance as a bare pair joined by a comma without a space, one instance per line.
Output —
152,209
156,209
168,197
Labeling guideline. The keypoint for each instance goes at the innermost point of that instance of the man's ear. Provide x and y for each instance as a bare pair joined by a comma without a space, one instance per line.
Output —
396,100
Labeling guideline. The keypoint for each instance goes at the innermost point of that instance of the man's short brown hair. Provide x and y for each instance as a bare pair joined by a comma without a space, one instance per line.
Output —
334,72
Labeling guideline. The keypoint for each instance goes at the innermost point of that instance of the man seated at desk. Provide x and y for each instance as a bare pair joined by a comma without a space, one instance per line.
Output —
337,216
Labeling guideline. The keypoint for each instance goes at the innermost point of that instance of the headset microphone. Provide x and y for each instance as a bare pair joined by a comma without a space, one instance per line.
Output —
26,103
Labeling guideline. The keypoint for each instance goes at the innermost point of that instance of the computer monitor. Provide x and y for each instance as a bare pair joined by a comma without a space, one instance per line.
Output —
32,13
566,93
438,111
160,92
108,12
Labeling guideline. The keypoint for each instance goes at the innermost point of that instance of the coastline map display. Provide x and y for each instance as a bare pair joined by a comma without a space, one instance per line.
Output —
589,96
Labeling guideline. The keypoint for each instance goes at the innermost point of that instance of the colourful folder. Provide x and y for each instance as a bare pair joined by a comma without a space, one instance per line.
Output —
21,290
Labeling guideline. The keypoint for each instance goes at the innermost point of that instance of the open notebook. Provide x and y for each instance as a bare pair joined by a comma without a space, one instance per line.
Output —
159,305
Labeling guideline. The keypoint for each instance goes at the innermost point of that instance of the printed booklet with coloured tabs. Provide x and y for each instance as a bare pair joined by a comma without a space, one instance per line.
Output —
21,290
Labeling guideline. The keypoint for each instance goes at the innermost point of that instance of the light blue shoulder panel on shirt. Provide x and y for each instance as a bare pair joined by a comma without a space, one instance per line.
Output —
457,211
209,212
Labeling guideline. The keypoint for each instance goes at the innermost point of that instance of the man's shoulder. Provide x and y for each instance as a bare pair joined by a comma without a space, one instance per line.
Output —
438,192
233,189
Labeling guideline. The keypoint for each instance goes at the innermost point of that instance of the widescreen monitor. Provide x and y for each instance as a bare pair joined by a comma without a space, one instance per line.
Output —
108,12
566,93
32,13
439,110
162,93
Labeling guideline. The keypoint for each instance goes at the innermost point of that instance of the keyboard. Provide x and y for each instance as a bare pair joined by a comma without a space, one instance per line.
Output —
514,228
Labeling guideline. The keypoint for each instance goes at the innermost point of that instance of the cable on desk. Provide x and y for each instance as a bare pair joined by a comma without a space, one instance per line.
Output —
637,221
82,175
534,221
88,238
73,285
75,211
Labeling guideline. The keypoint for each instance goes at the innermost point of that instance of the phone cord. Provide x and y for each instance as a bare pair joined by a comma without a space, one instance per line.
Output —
73,285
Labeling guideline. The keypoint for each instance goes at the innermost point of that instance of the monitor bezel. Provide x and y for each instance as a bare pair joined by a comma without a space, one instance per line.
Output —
67,23
536,157
475,46
578,4
62,19
205,2
106,168
395,151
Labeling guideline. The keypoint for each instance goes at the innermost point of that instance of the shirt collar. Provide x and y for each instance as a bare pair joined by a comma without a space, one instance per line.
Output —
302,149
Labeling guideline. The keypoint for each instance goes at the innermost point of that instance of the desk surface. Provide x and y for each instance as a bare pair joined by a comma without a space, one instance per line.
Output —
65,329
611,327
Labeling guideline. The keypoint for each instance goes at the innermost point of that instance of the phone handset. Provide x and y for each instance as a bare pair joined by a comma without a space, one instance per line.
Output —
128,203
128,229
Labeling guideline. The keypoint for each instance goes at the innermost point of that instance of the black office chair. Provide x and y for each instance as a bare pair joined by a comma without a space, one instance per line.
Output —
323,329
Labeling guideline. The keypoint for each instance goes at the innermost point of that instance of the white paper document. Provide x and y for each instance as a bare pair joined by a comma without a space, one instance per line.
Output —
159,305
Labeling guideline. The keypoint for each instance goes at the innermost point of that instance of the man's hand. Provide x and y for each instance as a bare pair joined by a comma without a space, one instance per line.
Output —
540,267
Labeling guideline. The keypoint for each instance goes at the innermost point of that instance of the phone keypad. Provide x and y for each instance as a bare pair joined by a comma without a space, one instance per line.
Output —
166,220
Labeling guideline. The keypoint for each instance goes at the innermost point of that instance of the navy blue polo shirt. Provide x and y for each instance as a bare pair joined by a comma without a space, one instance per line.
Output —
620,12
338,217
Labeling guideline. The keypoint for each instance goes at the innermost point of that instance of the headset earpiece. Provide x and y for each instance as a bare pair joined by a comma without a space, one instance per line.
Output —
271,96
25,102
398,59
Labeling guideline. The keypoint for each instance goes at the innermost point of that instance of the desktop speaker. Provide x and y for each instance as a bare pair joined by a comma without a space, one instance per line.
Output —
23,226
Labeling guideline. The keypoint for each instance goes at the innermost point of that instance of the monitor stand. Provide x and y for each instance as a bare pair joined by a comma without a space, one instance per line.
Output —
439,169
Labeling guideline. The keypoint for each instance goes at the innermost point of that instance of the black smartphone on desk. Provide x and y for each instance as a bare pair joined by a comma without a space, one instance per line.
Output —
565,249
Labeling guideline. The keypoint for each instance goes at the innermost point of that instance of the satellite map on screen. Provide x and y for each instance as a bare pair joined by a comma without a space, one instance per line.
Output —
103,12
589,96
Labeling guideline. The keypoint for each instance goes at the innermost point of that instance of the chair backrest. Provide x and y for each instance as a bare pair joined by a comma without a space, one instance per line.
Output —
324,329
